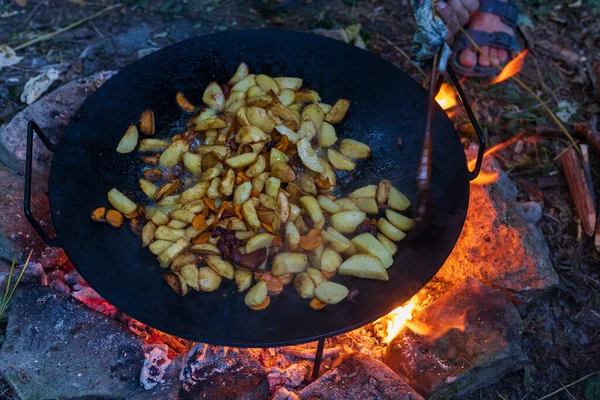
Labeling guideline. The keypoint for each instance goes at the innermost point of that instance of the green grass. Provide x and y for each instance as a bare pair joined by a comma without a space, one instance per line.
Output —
8,292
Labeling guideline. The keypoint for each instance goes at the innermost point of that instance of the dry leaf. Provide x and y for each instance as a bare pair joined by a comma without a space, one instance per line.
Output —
37,85
8,56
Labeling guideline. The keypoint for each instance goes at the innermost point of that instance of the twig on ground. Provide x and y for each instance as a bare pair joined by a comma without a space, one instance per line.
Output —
399,50
583,131
567,386
580,191
66,28
309,353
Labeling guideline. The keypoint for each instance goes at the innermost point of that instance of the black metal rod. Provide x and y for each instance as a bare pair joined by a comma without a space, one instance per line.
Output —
28,171
318,358
463,99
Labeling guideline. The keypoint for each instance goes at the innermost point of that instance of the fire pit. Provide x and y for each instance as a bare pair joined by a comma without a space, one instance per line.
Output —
462,327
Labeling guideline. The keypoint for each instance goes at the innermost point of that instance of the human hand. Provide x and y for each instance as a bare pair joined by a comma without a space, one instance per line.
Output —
456,14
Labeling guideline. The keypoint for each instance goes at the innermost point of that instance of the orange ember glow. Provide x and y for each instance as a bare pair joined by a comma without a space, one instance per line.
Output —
485,178
446,97
512,68
397,319
438,328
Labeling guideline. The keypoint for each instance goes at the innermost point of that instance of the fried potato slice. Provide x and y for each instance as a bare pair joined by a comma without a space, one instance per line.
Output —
308,156
367,204
304,286
189,272
121,202
338,111
213,96
166,257
176,282
390,230
243,279
365,191
153,144
289,263
128,141
257,294
243,160
383,190
184,103
147,122
174,153
340,161
222,267
330,260
367,244
387,243
208,279
331,292
259,241
327,136
401,222
241,72
397,200
285,82
347,221
313,208
364,266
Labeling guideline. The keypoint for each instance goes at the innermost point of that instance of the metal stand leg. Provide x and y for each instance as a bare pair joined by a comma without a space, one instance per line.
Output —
318,357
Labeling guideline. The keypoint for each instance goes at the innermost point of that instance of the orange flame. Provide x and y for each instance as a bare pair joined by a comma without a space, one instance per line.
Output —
396,319
438,328
485,178
512,68
446,97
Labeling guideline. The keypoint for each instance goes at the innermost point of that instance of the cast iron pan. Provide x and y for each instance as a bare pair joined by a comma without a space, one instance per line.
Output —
385,103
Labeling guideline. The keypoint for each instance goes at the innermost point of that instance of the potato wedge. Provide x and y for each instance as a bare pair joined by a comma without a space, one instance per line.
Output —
257,294
213,190
308,156
242,193
313,208
259,118
401,222
189,272
347,221
294,212
196,192
307,96
251,134
250,216
327,174
289,263
210,123
336,240
315,256
245,84
325,107
208,279
166,257
159,218
153,144
205,249
365,191
243,279
259,101
331,292
121,202
387,243
148,188
222,267
213,96
364,266
338,111
147,122
243,160
390,230
287,97
166,233
340,161
397,200
316,276
327,136
314,113
285,82
347,204
267,83
330,260
272,186
328,205
174,153
158,246
148,232
292,236
304,286
367,244
183,215
354,149
259,241
292,136
128,141
175,224
176,282
183,259
241,72
184,103
283,172
383,190
227,183
367,204
258,167
193,163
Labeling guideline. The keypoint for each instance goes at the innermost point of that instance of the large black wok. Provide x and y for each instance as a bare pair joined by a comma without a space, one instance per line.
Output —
385,104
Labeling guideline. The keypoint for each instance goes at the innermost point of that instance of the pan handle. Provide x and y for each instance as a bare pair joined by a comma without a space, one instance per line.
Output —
463,99
32,126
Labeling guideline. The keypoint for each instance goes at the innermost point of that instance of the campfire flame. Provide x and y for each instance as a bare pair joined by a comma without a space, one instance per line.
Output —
446,97
438,328
486,178
512,68
396,319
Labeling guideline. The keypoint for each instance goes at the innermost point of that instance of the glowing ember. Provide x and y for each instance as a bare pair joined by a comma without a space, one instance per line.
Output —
437,328
397,319
485,178
446,97
512,68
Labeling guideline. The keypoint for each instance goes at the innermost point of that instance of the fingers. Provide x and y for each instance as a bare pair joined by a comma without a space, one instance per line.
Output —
449,17
460,10
472,6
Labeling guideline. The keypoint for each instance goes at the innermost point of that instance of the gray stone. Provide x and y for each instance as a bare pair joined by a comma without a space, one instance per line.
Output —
56,347
211,372
530,211
52,113
125,43
470,339
497,246
359,377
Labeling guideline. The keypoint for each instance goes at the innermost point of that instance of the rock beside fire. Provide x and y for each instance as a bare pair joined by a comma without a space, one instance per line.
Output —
52,113
497,246
470,340
359,377
56,347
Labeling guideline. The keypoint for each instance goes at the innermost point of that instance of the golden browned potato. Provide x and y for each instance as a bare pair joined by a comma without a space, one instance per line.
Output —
193,163
367,204
166,257
250,216
148,233
340,161
354,149
257,168
338,111
312,207
153,144
365,191
315,275
147,122
308,156
189,272
304,286
184,103
347,221
289,263
243,160
397,200
390,230
330,260
327,136
383,190
267,83
183,259
283,172
387,243
166,233
128,141
174,153
205,249
289,83
241,72
213,96
336,240
208,279
292,236
222,267
399,221
367,244
196,192
182,215
121,202
148,188
259,241
176,282
331,292
257,294
364,266
243,279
